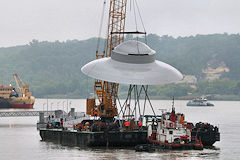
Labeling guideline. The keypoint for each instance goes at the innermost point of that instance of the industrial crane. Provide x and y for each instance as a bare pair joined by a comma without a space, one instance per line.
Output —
106,91
24,89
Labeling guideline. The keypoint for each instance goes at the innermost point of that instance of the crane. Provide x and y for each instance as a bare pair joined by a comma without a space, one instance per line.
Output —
106,91
24,88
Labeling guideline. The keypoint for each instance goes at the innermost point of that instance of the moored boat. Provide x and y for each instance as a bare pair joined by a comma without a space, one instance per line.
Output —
199,102
10,98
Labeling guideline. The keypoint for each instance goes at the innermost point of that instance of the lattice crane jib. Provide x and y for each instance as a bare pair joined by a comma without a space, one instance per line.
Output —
107,92
24,88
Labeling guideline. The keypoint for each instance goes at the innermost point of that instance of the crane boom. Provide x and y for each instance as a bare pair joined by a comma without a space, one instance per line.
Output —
20,80
107,92
18,86
24,88
116,24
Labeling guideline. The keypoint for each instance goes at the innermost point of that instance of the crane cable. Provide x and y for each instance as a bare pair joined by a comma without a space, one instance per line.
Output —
136,24
135,15
101,24
140,16
135,6
98,43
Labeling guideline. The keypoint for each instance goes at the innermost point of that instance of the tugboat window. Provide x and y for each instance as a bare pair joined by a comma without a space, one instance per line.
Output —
170,132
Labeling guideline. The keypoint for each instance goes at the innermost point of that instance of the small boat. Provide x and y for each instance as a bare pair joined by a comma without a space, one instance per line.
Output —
199,102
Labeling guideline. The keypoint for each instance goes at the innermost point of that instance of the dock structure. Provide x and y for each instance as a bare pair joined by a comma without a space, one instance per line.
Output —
25,113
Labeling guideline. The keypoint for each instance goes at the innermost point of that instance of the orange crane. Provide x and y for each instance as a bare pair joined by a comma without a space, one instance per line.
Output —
24,90
106,91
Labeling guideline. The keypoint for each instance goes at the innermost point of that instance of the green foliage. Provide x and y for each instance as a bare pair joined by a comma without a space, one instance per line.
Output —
54,68
217,87
171,90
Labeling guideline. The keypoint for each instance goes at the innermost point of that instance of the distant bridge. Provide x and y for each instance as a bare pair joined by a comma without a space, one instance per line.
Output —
25,113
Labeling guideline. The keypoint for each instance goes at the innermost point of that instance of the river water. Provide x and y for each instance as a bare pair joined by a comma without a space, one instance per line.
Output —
20,140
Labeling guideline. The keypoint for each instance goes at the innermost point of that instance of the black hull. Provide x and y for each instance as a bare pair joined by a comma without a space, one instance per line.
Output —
207,133
209,138
95,139
182,147
4,103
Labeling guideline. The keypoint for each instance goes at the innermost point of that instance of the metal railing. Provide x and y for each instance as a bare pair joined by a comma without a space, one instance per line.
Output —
25,113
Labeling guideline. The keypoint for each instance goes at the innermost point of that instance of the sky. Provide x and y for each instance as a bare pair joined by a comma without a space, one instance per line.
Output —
51,20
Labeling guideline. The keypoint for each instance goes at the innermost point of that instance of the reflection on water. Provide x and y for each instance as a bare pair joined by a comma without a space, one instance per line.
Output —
131,154
19,138
11,125
120,153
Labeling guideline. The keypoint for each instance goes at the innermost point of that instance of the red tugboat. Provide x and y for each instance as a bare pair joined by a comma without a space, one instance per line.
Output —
172,132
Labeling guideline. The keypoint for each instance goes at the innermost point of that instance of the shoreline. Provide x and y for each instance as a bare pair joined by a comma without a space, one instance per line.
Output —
215,98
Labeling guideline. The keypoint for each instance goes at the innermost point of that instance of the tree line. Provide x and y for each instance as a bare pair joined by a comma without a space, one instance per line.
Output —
54,68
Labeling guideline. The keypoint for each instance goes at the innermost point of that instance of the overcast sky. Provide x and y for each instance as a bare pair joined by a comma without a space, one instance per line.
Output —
50,20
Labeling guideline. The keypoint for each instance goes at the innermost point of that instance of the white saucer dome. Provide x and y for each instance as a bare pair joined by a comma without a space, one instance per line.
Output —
132,62
133,47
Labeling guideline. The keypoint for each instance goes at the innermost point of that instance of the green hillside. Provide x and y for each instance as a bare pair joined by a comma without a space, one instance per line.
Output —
191,54
54,68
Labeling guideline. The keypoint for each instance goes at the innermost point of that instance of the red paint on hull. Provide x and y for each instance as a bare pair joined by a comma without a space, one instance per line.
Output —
22,106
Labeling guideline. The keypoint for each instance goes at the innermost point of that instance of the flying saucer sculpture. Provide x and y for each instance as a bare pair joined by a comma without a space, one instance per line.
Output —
132,62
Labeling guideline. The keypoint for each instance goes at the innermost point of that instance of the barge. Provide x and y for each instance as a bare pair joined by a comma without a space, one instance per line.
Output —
94,139
96,133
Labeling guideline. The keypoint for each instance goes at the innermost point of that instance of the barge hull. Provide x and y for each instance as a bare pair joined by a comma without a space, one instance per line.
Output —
95,139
